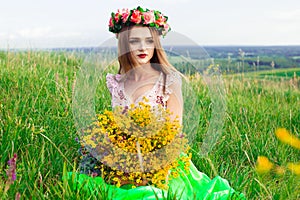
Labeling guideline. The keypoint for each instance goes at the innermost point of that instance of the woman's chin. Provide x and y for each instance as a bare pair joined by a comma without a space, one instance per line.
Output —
143,62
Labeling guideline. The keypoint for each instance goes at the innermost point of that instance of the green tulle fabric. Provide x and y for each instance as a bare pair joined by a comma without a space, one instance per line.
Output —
192,185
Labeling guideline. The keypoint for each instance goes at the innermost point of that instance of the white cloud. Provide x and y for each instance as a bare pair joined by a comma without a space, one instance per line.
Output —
45,32
209,22
286,15
66,34
43,37
7,36
2,35
11,36
34,32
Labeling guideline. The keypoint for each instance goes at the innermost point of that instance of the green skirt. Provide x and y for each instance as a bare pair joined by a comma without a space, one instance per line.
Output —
192,185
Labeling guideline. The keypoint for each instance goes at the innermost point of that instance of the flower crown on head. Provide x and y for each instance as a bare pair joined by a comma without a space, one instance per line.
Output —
138,16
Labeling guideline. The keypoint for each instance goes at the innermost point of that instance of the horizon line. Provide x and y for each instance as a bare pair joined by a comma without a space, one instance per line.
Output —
175,45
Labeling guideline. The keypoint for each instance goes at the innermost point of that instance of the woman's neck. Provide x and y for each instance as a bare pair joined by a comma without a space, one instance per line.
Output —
142,72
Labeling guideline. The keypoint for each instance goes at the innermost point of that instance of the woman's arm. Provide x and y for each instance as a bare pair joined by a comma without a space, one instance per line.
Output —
175,100
174,104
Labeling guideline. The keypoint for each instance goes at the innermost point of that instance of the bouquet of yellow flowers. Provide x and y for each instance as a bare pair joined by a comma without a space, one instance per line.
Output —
138,145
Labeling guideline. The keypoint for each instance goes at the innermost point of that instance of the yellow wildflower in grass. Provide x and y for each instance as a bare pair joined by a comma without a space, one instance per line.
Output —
284,136
295,168
263,165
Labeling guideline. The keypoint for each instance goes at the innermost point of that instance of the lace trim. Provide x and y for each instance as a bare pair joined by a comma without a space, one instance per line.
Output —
112,81
150,93
156,95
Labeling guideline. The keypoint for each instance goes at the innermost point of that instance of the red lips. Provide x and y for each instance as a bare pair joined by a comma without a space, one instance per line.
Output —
142,55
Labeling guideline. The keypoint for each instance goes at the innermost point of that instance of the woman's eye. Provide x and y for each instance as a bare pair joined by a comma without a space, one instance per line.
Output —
150,41
133,41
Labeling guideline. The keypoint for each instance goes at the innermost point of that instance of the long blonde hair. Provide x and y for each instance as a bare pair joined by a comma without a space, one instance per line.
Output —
159,60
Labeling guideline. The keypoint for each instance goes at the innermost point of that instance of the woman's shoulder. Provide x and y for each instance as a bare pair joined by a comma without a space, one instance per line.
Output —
173,81
116,77
113,81
173,77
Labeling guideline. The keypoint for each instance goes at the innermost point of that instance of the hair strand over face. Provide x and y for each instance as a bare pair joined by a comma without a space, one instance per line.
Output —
159,60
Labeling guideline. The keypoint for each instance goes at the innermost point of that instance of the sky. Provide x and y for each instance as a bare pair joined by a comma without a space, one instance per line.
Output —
78,23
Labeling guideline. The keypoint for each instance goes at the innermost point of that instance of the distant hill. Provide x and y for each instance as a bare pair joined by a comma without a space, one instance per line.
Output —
231,59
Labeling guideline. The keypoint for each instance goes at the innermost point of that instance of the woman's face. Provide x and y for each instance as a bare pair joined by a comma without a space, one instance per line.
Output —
141,44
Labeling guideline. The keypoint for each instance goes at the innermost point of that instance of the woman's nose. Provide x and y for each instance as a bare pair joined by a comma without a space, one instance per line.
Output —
142,45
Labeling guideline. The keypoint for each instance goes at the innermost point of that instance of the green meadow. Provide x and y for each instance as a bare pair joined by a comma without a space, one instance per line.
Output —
37,124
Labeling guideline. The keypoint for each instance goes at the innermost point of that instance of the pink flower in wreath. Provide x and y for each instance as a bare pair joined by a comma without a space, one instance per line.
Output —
149,17
161,20
166,29
136,17
124,14
111,24
117,17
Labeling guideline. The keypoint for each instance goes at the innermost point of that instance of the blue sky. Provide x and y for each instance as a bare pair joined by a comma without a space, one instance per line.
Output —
66,23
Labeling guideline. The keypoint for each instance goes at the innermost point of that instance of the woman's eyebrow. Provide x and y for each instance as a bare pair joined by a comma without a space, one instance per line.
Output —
137,38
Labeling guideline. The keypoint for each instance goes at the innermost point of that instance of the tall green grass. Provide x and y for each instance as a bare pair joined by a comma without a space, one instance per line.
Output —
36,122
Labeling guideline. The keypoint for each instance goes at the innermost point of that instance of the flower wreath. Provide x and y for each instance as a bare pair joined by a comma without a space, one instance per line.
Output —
138,16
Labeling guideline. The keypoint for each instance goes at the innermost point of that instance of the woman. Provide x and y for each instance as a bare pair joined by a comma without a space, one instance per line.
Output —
145,75
143,62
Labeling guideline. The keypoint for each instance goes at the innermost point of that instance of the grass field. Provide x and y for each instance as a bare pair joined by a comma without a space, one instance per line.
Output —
36,123
276,74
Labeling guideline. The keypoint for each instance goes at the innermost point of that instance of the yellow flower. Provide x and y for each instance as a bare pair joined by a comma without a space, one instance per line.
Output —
295,168
88,141
284,136
112,173
175,174
138,180
116,179
119,173
263,165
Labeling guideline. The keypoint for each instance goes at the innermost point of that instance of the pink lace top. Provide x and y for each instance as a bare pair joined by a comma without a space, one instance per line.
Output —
156,95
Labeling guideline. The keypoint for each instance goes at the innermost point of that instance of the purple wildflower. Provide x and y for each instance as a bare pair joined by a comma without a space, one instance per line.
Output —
11,171
18,196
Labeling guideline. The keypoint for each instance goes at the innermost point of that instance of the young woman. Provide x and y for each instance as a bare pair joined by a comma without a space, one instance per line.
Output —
144,64
145,75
